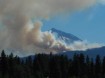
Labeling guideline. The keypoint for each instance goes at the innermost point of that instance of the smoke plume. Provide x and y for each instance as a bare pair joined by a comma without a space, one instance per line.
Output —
17,31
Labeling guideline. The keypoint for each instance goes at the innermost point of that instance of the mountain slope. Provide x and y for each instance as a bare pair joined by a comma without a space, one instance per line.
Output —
64,37
92,53
68,39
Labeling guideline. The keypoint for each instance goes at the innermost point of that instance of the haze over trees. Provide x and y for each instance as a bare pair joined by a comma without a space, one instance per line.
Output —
51,66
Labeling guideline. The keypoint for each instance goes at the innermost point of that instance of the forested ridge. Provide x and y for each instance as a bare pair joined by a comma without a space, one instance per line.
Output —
51,66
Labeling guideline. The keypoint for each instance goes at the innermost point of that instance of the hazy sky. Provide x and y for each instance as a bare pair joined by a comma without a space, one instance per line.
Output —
21,20
88,24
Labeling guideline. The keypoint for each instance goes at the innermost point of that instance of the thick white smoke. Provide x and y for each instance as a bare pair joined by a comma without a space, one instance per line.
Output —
84,45
17,31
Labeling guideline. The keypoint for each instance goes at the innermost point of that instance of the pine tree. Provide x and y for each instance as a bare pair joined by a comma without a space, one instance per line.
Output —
103,67
11,66
55,71
64,66
98,67
70,69
92,69
81,65
3,64
75,65
87,68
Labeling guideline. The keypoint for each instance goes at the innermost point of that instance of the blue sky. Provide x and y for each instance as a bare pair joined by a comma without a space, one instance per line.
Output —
88,24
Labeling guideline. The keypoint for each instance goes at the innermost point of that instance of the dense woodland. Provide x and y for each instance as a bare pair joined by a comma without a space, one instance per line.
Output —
51,66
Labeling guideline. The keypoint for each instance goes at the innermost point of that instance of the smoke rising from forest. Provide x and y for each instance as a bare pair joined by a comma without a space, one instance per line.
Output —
17,31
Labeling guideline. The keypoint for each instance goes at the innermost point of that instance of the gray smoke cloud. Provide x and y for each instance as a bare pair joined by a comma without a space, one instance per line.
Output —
17,31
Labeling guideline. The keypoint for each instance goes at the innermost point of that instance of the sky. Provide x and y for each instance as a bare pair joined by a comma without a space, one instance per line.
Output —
88,24
21,22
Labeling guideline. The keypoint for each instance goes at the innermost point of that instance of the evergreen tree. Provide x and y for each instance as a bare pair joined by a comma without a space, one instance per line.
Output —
51,66
3,64
81,65
64,66
55,71
11,66
103,66
75,65
98,67
70,68
87,68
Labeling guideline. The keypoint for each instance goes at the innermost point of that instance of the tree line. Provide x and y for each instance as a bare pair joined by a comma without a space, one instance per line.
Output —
51,66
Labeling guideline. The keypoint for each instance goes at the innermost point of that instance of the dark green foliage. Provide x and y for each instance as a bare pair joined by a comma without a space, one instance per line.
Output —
3,65
98,67
103,66
51,66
